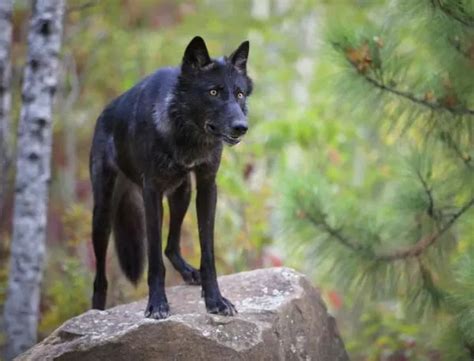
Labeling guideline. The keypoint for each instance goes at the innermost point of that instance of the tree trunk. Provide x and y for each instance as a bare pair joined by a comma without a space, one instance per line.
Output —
33,175
6,9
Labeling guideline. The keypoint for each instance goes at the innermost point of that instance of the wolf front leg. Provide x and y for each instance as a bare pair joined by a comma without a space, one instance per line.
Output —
157,307
206,210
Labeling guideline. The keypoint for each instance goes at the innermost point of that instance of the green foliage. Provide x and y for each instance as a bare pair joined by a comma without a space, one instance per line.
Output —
396,233
384,333
67,293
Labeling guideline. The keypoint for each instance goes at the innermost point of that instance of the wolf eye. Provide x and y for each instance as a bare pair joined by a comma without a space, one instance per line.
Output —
240,95
213,92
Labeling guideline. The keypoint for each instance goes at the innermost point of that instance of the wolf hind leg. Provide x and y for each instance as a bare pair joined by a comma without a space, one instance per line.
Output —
178,202
103,181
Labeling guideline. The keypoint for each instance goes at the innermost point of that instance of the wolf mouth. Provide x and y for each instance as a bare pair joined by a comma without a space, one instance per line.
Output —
228,139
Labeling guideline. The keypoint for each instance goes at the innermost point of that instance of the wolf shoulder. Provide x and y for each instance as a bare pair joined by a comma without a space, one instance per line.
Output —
147,101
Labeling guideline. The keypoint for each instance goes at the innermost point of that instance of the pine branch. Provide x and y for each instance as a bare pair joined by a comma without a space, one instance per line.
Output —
401,254
362,60
412,97
424,243
467,159
459,15
335,233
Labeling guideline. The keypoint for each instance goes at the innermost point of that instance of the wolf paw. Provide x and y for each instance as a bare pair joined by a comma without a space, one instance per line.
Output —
191,276
98,301
220,306
158,311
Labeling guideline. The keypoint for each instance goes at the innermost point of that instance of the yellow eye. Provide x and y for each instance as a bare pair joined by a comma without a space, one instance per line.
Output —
240,95
213,92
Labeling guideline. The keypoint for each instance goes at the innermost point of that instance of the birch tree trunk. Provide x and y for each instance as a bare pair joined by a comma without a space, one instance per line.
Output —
6,9
33,175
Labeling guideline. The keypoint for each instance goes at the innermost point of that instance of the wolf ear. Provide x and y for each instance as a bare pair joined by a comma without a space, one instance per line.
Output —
239,57
196,55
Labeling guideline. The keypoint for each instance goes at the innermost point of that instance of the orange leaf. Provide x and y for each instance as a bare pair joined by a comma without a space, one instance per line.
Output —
335,299
360,57
450,101
300,214
429,96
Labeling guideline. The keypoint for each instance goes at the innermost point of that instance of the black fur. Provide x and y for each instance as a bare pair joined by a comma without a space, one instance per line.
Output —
146,144
129,228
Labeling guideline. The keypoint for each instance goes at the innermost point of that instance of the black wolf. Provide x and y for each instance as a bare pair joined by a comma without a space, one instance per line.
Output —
146,144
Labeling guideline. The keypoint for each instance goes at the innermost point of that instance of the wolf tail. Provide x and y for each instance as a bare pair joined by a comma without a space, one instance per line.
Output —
129,228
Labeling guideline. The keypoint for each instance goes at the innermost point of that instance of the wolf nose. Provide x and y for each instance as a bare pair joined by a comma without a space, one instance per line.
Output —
239,129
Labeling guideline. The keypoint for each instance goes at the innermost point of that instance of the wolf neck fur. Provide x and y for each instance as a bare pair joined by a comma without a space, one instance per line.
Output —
190,144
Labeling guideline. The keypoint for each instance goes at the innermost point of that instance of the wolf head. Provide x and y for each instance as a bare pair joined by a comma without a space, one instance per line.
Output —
214,92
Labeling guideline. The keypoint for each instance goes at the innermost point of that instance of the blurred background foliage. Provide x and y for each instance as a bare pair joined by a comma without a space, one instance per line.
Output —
330,156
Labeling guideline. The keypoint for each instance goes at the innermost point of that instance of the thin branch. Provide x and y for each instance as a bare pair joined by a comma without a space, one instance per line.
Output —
461,16
414,98
429,194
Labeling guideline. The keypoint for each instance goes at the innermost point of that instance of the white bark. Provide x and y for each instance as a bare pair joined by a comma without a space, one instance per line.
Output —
6,9
33,175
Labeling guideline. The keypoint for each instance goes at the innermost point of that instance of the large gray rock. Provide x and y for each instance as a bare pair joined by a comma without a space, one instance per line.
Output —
281,317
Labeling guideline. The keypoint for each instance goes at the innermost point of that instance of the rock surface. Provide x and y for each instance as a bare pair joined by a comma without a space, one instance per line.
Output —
281,317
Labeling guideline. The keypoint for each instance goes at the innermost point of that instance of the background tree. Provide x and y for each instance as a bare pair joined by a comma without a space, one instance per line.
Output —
6,11
405,233
33,176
